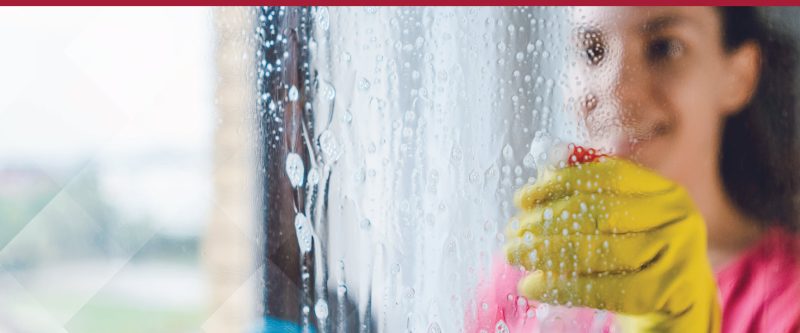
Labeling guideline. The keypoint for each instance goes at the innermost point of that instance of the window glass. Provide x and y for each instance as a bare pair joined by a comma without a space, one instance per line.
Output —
106,128
398,169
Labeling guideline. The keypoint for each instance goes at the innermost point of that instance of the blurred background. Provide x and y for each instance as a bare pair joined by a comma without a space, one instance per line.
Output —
121,170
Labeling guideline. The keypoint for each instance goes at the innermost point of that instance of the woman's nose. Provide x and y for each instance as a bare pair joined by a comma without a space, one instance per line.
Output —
629,87
616,97
618,85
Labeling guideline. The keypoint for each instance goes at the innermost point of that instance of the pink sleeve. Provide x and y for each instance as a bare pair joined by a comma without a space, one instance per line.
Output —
499,308
498,303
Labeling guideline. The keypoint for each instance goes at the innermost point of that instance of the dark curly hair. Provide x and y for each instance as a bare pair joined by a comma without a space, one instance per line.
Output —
759,154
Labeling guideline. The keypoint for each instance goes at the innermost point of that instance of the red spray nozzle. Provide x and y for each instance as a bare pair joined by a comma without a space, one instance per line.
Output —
579,154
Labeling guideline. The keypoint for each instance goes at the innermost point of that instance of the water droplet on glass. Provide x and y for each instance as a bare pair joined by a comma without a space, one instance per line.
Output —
295,169
360,175
501,46
508,152
293,94
409,293
329,146
528,237
321,309
548,213
542,311
323,18
304,232
520,56
365,224
328,91
313,177
456,154
434,328
533,256
473,176
529,161
501,327
347,117
410,115
364,84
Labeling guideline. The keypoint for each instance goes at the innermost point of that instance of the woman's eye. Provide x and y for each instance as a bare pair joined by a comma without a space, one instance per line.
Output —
594,48
663,48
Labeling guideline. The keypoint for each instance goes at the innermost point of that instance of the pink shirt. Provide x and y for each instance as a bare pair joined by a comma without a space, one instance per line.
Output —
759,292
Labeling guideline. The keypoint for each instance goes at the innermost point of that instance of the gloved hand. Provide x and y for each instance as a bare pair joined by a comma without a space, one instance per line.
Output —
612,235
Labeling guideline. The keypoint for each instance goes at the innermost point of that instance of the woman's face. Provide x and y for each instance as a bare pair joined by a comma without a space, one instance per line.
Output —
657,83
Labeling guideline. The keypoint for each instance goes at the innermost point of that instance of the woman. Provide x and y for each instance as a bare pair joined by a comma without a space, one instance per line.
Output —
702,97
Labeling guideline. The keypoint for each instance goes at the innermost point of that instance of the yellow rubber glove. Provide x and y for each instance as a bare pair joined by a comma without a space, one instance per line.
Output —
612,235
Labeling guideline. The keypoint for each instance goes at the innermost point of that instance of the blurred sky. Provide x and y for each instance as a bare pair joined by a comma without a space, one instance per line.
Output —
128,91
